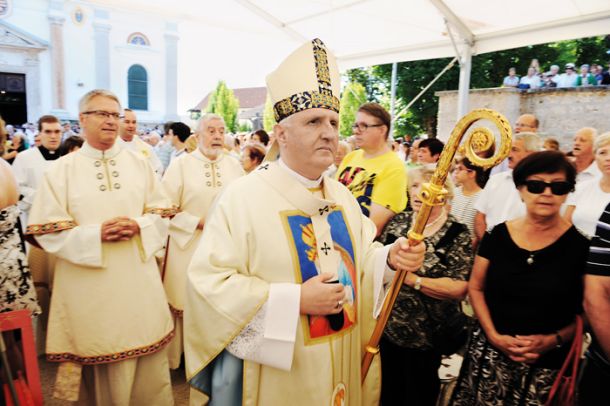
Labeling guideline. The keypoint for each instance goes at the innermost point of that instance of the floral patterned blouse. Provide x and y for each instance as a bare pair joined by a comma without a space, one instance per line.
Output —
16,286
415,316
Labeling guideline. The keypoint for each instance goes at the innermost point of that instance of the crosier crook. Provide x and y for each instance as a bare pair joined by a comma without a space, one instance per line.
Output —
433,194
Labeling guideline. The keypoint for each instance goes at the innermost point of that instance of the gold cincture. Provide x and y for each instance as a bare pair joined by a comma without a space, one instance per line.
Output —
433,194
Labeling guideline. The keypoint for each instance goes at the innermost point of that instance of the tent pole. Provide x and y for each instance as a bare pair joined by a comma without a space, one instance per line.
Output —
464,84
393,97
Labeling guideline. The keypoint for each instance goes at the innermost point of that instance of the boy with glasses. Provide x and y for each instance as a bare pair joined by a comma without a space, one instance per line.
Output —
373,173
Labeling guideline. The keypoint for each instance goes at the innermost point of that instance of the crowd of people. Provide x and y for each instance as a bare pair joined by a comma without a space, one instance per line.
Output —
249,147
259,262
535,78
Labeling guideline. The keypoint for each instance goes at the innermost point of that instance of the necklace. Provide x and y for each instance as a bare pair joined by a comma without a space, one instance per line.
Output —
530,259
436,220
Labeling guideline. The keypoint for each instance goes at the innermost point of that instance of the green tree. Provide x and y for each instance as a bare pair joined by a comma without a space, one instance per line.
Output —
354,95
244,127
373,86
591,50
224,103
488,70
268,115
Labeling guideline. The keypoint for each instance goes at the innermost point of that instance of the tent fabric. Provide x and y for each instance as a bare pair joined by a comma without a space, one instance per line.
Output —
367,32
241,41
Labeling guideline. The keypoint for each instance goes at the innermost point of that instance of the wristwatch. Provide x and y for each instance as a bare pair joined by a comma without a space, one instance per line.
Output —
417,285
558,339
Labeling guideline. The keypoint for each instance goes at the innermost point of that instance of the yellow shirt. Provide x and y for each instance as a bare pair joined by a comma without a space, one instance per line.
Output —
381,180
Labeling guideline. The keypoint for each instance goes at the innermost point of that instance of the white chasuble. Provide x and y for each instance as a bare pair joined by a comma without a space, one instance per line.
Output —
145,150
267,228
28,168
192,183
108,302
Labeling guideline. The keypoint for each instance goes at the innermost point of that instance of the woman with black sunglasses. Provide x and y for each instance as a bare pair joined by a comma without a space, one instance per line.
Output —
526,290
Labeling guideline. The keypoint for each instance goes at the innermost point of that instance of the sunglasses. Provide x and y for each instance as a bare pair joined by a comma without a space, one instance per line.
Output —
557,188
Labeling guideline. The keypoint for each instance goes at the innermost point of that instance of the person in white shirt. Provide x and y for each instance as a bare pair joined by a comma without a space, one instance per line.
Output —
30,165
471,179
532,79
500,201
129,139
587,203
584,158
525,123
179,133
568,79
512,80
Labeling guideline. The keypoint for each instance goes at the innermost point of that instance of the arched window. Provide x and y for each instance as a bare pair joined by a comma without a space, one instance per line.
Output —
137,88
137,38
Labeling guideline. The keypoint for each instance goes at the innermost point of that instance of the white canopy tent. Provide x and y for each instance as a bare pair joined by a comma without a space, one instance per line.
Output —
257,34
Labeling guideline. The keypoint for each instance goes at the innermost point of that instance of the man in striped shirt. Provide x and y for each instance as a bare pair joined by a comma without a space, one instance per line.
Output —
593,385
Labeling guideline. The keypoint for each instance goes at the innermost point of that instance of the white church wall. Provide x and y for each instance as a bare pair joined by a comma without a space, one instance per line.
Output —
79,55
79,38
31,17
151,57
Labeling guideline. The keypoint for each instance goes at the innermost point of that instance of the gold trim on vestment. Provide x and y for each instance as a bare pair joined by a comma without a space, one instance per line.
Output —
38,229
310,99
108,358
175,312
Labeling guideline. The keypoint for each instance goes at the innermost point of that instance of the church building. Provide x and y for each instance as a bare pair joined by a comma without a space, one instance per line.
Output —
54,51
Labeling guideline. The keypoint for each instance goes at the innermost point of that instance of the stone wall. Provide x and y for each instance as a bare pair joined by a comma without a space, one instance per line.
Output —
561,112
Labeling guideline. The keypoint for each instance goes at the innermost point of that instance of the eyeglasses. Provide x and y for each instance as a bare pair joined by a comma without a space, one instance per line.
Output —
104,114
363,126
557,188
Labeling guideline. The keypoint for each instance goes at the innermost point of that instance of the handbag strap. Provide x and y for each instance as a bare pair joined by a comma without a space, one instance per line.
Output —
577,353
573,358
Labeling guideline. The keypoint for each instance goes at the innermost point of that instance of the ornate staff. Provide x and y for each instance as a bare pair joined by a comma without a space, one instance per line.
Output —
433,194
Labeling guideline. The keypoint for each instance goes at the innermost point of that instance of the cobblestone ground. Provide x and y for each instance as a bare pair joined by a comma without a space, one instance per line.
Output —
47,378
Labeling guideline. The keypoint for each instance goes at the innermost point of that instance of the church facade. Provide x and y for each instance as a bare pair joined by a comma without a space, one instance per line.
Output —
54,51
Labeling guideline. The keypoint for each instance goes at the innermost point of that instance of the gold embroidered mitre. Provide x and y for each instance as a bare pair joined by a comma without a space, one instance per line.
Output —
307,79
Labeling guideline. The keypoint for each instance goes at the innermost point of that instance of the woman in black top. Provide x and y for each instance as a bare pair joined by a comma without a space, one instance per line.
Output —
526,290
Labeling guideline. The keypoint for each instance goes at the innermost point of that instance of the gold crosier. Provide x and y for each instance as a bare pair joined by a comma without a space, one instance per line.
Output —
433,194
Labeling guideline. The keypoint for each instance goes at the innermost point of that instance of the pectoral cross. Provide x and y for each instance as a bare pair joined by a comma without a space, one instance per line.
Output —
325,248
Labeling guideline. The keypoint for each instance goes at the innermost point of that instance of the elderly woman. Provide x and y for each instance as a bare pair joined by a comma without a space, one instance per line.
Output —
586,205
252,156
526,290
429,299
343,148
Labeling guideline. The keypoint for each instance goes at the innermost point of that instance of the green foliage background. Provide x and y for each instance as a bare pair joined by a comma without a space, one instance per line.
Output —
488,70
268,115
224,103
354,95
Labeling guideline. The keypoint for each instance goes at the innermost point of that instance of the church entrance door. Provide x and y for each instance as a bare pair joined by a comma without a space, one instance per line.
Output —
13,102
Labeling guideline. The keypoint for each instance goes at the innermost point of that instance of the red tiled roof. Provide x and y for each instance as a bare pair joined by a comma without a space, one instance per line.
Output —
248,97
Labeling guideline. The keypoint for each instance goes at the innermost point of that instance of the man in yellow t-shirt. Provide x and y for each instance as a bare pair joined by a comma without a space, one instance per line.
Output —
374,174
